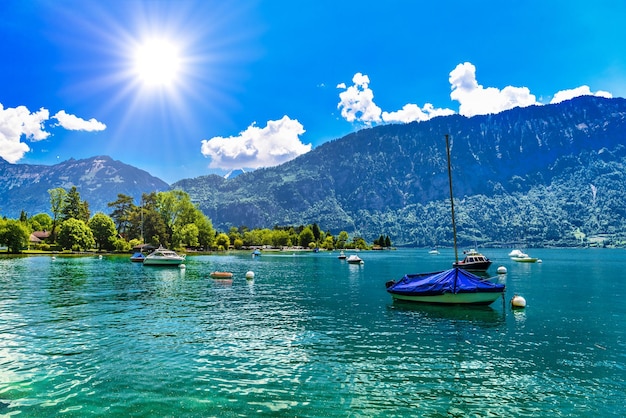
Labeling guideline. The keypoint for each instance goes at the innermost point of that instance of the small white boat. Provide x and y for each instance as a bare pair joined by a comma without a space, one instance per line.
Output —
354,259
342,255
524,258
434,251
163,257
515,253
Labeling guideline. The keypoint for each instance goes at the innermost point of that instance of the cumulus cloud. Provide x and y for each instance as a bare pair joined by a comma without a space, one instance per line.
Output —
74,123
16,123
276,143
579,91
357,101
475,99
19,123
357,105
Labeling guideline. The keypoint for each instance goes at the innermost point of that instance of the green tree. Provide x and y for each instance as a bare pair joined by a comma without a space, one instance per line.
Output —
342,239
316,232
14,234
41,222
187,235
74,207
75,235
123,208
154,228
103,229
306,237
387,242
57,203
222,241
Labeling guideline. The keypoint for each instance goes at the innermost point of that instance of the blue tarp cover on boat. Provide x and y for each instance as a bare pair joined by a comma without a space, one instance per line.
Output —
455,280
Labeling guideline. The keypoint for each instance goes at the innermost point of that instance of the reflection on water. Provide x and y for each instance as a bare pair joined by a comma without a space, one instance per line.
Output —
309,336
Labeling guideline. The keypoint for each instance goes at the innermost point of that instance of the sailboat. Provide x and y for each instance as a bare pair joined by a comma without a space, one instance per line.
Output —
454,286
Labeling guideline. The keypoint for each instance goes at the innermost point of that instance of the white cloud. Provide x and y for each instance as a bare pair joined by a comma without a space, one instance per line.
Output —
18,122
357,101
357,105
15,123
74,123
578,91
475,99
412,112
256,147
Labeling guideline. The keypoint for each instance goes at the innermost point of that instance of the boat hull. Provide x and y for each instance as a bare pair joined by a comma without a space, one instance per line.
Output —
160,262
524,259
475,266
451,298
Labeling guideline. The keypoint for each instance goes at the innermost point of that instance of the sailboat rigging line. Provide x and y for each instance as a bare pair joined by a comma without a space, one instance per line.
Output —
456,253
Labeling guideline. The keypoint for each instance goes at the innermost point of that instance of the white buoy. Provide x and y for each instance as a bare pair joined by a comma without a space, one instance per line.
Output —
53,258
182,266
100,257
539,261
250,275
501,270
518,302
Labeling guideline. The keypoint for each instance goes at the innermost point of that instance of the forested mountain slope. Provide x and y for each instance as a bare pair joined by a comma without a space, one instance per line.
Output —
539,175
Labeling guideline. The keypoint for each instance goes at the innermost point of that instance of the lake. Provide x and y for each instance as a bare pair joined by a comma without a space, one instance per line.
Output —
310,336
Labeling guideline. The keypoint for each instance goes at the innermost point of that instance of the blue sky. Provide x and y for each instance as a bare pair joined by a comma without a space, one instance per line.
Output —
188,88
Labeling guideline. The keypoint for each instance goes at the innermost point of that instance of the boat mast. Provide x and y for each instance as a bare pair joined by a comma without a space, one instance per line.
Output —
456,254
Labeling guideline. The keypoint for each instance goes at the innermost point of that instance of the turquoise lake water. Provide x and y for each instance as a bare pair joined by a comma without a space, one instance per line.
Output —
310,336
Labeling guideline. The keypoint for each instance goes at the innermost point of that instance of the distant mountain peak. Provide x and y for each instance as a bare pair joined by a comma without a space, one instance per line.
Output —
234,173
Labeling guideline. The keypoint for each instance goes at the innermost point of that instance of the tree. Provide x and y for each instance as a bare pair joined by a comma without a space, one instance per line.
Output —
57,202
186,235
154,228
222,241
74,207
121,215
306,237
103,230
342,239
41,222
75,235
14,234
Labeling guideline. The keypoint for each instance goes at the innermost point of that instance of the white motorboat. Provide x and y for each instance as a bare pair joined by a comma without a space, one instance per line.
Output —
163,257
354,259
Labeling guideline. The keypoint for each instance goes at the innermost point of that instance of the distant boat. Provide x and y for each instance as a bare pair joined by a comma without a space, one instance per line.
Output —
515,253
434,251
473,261
256,253
342,255
524,258
454,286
138,257
163,257
354,259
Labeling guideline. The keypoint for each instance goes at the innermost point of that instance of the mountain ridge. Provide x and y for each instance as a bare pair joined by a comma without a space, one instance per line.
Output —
98,180
542,175
376,174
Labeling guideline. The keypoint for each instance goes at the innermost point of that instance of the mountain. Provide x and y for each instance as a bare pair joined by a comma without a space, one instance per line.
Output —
551,174
98,180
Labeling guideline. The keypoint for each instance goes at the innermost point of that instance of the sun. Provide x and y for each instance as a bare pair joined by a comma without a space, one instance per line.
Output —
157,62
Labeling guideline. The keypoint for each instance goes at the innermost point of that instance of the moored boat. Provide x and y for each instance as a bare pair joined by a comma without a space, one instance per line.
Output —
454,286
138,257
473,261
342,255
524,258
354,259
163,257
